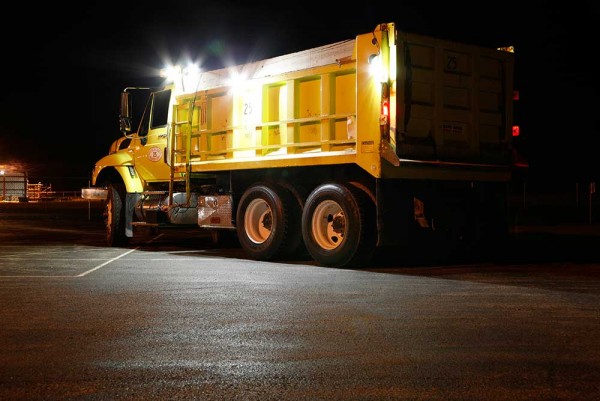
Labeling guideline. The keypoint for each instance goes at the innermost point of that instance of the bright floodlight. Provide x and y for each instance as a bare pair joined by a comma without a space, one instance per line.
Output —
171,73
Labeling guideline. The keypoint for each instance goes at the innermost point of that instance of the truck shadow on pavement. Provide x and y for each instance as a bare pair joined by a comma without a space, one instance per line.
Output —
81,223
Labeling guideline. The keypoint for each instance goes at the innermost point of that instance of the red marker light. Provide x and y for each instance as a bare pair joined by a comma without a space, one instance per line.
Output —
515,131
385,108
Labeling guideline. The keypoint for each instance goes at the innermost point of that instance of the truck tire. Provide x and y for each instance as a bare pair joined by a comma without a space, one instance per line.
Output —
114,215
338,226
268,222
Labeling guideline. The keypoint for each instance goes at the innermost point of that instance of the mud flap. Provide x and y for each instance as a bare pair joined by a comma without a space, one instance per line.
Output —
130,202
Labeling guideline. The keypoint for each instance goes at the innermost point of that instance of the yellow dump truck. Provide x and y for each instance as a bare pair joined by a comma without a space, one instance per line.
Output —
388,140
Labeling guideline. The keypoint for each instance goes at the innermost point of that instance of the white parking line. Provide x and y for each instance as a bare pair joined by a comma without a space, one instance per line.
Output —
105,263
113,259
18,257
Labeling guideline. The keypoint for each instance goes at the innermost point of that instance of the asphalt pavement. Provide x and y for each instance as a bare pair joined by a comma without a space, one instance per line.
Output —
175,318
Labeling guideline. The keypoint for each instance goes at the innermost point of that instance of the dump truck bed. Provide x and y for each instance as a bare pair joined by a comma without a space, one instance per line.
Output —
450,109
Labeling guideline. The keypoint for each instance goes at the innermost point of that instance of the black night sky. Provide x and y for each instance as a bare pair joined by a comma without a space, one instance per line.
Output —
64,68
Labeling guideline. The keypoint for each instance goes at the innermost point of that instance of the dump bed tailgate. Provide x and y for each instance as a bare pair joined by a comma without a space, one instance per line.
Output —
454,101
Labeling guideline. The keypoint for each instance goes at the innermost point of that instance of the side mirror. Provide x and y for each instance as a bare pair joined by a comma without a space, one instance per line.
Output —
125,115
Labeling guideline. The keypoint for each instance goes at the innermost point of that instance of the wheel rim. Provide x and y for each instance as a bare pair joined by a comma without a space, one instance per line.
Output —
258,221
329,225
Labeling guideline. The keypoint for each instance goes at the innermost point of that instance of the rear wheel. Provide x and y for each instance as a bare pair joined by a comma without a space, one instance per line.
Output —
114,215
268,222
338,226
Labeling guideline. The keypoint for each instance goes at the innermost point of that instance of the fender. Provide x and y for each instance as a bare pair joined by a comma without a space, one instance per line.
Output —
120,163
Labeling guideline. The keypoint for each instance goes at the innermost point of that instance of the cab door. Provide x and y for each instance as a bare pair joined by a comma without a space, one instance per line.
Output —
149,147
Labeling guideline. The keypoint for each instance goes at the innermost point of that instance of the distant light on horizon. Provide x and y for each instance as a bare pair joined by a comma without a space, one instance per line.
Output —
13,166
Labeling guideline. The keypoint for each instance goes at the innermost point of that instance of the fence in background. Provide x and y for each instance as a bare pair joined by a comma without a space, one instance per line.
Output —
13,186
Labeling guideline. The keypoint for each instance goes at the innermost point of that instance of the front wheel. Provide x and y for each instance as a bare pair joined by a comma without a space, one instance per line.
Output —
338,226
114,215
